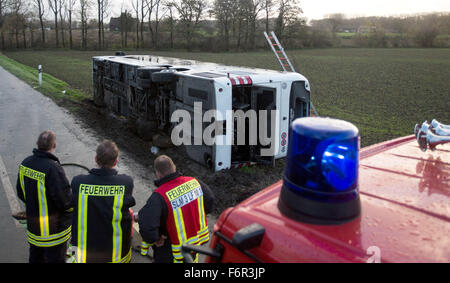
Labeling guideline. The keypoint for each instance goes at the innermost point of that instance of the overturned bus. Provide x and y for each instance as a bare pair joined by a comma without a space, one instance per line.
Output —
150,90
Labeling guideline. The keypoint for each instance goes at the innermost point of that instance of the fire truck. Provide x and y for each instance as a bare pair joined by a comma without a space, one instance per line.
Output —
336,203
150,89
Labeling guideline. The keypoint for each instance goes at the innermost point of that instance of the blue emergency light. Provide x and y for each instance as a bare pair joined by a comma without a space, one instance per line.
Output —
320,184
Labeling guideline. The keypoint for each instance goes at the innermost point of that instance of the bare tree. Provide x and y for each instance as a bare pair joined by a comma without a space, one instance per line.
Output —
241,21
224,12
99,22
335,21
84,6
190,12
154,31
268,6
102,10
154,17
26,23
53,4
31,25
62,19
105,13
144,13
289,12
254,8
136,9
125,26
426,30
40,13
70,4
170,20
17,20
4,4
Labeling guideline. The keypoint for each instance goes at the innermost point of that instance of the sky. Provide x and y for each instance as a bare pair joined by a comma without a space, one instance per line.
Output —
317,9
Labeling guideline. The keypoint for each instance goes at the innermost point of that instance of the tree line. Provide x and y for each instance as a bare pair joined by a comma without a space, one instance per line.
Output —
420,30
143,23
207,25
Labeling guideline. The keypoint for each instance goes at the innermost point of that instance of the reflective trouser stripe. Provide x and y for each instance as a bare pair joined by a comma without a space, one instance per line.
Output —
117,229
82,227
144,248
125,259
201,238
50,241
182,261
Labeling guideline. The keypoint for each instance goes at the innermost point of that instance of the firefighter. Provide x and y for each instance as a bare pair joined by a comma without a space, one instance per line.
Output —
43,186
175,213
102,223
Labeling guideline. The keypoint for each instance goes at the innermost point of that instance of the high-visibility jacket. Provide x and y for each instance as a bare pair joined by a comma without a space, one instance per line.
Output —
102,223
186,222
43,186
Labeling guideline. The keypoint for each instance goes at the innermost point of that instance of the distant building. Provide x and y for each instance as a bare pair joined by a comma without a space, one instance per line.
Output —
128,21
366,29
114,24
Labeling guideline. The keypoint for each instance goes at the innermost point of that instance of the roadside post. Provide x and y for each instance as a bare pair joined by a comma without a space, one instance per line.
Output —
40,74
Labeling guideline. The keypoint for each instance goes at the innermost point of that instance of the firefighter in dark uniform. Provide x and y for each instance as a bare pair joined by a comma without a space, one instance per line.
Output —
43,186
102,223
175,213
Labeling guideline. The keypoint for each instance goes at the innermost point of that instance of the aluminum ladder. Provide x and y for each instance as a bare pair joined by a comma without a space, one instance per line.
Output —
279,52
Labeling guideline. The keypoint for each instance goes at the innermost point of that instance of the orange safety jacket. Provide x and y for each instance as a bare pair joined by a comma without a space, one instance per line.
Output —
186,222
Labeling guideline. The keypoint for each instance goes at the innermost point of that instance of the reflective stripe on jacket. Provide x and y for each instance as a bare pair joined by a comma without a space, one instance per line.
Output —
102,223
43,186
186,222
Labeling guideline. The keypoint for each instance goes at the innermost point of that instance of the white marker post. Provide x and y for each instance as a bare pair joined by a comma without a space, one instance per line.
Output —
40,74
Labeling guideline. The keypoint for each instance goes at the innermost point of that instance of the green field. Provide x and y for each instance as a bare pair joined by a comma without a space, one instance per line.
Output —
51,86
384,92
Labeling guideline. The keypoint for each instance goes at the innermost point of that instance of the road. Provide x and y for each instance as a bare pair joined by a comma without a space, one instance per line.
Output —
24,114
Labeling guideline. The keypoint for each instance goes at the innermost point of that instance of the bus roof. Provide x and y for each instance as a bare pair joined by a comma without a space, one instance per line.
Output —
200,69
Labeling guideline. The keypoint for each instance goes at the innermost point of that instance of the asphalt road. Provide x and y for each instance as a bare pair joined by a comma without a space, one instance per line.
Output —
24,114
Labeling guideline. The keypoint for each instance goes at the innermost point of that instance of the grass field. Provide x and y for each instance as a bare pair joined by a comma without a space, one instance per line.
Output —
384,92
51,86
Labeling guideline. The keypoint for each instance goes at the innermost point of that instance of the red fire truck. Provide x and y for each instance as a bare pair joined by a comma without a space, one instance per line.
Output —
389,202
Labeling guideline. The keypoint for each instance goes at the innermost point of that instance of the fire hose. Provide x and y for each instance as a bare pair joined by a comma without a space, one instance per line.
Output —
75,165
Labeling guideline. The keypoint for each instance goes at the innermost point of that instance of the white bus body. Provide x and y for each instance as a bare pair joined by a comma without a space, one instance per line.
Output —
149,89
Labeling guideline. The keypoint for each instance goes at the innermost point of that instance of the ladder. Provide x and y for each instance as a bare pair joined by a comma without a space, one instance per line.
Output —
279,52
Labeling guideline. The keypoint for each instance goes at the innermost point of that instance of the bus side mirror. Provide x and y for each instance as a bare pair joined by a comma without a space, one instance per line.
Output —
249,237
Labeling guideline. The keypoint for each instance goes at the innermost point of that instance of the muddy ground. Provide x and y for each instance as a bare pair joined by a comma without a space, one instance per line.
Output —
230,187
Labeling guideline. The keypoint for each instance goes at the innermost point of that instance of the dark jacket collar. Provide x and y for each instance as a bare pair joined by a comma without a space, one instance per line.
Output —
45,154
103,171
167,179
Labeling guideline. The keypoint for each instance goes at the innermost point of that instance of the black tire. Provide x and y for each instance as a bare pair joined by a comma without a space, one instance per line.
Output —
146,129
